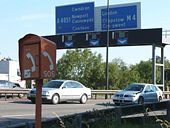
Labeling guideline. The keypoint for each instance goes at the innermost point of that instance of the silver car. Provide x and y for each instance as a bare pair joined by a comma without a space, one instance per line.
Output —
56,91
138,93
4,84
7,85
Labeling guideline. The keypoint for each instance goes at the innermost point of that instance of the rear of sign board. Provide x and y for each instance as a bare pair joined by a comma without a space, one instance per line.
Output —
134,37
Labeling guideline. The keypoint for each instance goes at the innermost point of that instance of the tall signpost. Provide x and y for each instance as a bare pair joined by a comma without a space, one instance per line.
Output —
107,50
37,60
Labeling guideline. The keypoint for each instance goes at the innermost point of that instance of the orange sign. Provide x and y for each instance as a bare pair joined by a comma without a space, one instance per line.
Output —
37,57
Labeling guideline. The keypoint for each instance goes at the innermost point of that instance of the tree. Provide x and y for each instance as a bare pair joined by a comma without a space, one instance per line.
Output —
115,73
89,69
81,65
144,68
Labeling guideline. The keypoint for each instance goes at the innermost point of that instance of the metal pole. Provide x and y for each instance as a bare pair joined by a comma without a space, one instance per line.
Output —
153,65
162,68
38,103
107,49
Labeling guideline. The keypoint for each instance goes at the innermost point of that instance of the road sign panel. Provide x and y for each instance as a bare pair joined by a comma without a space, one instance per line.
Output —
125,17
75,18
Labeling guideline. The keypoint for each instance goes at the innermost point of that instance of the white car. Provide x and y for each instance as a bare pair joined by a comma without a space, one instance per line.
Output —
139,93
56,91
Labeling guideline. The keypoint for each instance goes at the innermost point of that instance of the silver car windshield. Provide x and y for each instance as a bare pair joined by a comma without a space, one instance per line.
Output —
53,84
134,87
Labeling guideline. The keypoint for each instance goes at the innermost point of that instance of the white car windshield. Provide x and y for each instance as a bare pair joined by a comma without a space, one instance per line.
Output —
134,87
53,84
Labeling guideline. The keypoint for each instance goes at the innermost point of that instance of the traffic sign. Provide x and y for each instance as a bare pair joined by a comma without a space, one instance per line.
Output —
85,17
119,17
75,18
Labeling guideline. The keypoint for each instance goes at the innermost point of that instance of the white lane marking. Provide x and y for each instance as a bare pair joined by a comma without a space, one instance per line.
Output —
18,115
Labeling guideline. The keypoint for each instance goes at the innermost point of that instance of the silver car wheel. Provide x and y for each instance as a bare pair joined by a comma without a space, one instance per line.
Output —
141,100
83,99
33,101
159,99
55,99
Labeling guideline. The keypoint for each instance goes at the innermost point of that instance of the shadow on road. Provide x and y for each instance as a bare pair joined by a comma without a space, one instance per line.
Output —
106,104
8,122
44,103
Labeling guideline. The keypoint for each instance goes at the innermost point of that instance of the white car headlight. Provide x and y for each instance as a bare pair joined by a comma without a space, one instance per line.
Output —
45,93
132,95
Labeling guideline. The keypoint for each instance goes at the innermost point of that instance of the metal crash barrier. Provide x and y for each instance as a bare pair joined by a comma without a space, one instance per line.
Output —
13,92
95,93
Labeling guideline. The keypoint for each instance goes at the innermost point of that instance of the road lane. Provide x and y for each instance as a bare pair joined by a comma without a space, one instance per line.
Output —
23,111
13,112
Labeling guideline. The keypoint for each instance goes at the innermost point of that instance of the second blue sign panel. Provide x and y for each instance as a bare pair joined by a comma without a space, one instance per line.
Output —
119,17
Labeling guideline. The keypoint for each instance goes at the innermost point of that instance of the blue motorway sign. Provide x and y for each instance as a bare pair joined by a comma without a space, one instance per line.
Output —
120,17
75,18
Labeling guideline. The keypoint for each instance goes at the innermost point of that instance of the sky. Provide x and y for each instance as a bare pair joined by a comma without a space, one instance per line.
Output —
21,17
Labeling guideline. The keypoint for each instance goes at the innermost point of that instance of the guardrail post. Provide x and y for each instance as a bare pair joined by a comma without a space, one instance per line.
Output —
168,110
5,97
95,96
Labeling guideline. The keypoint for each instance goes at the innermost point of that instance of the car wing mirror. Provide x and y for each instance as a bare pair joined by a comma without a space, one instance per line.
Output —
146,91
13,86
63,87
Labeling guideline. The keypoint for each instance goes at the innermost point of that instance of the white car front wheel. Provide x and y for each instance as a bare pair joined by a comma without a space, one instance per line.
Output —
83,99
55,99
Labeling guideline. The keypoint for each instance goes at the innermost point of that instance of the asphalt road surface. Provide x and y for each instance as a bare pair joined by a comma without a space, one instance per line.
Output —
21,111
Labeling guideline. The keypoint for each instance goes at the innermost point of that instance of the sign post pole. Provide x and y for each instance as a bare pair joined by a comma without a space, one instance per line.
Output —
38,103
107,50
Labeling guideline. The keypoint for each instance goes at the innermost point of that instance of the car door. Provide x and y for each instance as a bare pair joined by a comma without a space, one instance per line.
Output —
65,93
153,94
71,91
150,94
75,90
147,94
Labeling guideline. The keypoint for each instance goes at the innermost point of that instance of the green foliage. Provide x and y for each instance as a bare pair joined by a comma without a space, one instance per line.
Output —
144,69
89,69
81,65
